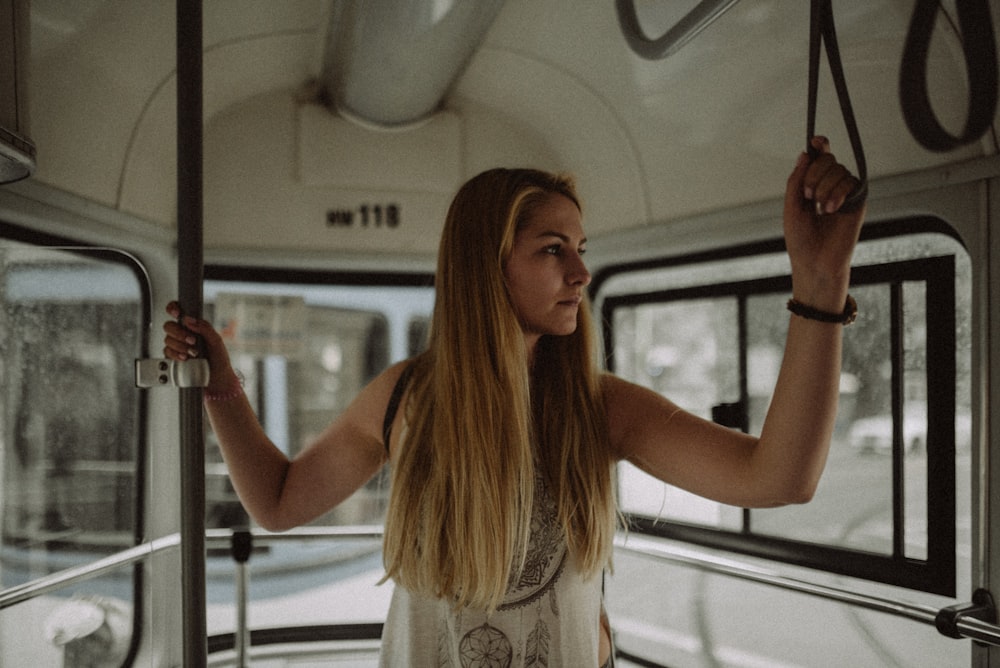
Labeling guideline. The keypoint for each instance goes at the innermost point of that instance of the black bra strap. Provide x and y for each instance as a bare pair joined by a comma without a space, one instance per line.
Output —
390,410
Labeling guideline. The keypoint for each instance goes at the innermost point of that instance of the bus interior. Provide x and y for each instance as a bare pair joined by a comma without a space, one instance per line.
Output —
284,168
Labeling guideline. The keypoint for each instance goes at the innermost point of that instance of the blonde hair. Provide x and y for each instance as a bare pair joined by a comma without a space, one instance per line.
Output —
480,422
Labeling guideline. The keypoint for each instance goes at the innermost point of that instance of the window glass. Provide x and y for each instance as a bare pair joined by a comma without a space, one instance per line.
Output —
688,351
73,324
857,482
709,335
305,352
914,423
73,328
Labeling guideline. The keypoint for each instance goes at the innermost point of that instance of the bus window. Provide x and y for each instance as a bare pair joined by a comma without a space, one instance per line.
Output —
312,345
714,346
73,322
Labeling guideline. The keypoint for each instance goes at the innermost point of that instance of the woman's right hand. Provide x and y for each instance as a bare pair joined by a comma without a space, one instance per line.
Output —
189,338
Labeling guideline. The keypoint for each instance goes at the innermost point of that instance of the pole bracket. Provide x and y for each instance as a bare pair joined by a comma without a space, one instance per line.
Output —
163,372
982,608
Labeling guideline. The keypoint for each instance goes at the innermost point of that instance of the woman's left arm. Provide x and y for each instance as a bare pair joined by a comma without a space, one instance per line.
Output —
784,464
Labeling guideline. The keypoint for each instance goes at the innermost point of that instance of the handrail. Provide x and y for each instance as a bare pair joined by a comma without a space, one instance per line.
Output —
692,23
221,537
968,627
213,537
656,549
75,574
293,635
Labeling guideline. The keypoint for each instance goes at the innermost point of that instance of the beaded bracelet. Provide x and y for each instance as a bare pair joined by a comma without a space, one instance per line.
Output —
226,395
846,317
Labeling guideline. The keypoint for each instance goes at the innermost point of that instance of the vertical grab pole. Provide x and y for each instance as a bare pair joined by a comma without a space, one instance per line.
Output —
241,547
189,285
242,630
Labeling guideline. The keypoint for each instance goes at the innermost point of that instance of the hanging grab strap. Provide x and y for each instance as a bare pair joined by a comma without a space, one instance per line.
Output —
979,48
821,28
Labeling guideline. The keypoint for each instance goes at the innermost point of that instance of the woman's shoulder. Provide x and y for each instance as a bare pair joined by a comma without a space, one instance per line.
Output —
631,399
630,407
389,381
615,388
370,403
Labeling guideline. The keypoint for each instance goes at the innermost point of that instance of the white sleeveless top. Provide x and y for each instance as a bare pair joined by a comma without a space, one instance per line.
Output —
549,617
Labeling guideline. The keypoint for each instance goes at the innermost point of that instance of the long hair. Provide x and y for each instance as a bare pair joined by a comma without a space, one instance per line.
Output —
481,425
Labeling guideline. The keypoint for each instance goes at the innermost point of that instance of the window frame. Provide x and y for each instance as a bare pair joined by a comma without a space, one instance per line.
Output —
14,233
936,573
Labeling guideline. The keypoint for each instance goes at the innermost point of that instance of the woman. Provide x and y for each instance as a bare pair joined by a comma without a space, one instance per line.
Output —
502,513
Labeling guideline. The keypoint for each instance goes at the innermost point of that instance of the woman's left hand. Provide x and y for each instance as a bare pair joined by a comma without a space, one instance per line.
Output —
820,238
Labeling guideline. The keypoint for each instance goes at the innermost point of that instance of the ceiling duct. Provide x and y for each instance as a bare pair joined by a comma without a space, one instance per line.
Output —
17,153
390,63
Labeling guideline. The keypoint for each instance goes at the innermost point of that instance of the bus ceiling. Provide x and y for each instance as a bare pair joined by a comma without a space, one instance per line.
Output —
978,47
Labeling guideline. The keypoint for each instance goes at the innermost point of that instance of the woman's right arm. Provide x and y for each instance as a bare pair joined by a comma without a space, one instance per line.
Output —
277,492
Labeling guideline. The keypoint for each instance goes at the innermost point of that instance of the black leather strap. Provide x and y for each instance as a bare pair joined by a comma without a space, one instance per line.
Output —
821,29
979,47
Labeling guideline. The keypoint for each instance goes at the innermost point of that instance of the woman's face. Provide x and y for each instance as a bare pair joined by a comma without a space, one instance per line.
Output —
545,273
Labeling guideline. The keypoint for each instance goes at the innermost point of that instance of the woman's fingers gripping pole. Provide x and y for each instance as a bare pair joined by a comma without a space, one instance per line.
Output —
187,337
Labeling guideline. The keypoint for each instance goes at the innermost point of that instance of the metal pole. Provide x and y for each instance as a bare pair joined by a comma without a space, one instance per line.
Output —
189,288
241,547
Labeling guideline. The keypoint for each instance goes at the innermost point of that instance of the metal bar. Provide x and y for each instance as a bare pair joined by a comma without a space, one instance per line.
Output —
687,28
64,578
986,465
221,537
322,639
632,543
140,553
968,627
242,628
190,267
240,548
637,660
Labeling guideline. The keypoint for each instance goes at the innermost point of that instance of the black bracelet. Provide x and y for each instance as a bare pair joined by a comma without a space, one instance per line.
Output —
849,314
